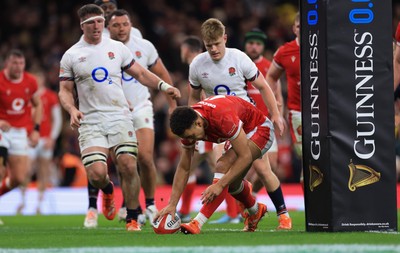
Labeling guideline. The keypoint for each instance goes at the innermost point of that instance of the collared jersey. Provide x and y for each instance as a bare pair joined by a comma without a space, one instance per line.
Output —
227,76
96,71
15,99
287,57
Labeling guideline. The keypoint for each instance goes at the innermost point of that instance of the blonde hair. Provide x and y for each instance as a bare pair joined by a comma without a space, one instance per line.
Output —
212,29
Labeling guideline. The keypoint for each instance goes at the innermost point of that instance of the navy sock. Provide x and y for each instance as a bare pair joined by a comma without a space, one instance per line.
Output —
108,189
149,202
132,214
279,202
93,192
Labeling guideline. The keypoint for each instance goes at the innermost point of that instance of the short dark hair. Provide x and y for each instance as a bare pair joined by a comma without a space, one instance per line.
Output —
117,13
194,44
89,9
15,52
182,118
100,2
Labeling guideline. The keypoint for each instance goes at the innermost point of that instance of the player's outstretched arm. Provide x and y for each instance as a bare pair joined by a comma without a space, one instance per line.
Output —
270,101
150,80
180,180
161,71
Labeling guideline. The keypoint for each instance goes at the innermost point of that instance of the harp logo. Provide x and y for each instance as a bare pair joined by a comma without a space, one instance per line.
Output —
316,177
361,175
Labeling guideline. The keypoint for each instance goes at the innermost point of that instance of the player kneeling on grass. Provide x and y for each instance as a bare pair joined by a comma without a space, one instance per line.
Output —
218,119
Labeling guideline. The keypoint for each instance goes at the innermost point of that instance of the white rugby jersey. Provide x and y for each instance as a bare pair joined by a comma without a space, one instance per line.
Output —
96,71
227,76
146,55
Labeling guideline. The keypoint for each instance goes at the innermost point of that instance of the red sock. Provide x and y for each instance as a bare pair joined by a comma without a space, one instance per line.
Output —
209,208
187,198
4,186
245,195
231,206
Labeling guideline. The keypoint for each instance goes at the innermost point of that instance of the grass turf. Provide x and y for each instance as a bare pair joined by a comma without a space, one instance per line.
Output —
23,232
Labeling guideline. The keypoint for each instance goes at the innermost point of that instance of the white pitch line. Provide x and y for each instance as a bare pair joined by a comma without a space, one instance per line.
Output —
331,248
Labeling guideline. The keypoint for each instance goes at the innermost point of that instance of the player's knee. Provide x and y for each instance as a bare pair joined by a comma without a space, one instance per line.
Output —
97,179
126,164
146,161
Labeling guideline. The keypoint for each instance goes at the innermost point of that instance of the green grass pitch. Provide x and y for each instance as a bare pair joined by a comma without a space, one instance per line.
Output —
60,232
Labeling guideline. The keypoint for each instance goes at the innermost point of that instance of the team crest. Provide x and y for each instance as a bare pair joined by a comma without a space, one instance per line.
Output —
111,55
138,54
147,120
293,58
130,133
232,71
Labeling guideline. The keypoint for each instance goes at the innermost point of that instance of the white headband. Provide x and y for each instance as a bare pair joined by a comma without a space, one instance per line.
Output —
92,18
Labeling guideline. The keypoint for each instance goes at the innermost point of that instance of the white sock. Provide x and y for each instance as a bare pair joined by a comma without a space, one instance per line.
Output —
253,210
201,219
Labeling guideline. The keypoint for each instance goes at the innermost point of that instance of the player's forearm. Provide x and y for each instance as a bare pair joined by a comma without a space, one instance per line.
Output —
180,181
181,175
66,100
146,77
37,113
270,101
164,75
273,84
56,123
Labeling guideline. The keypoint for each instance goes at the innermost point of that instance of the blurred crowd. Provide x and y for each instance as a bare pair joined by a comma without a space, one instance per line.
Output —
45,29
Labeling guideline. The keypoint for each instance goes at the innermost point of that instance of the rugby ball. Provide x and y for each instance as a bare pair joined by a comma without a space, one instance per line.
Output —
166,225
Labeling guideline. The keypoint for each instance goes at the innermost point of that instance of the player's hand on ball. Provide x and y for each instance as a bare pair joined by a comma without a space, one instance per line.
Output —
169,209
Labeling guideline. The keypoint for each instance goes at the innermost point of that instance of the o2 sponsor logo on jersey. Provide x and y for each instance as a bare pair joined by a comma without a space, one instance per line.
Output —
100,74
222,89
